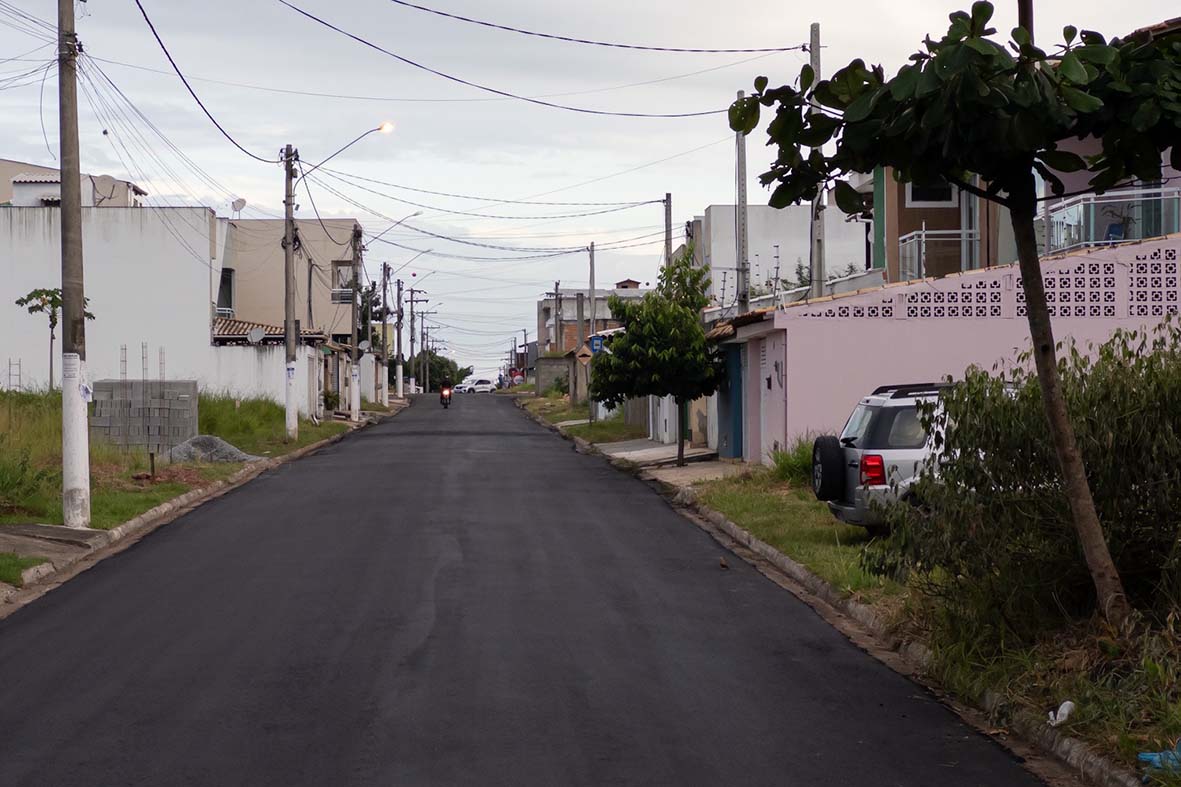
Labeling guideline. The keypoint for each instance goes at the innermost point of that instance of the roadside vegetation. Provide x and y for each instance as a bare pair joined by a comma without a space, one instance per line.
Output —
12,565
609,430
555,408
30,458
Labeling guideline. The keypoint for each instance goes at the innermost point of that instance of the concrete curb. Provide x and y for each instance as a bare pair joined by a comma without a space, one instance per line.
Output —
1072,752
40,579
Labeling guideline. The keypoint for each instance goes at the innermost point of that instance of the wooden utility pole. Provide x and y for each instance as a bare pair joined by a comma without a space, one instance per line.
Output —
291,409
75,384
355,371
817,248
743,262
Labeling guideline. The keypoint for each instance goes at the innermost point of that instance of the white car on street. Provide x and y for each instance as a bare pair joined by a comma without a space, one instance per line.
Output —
483,386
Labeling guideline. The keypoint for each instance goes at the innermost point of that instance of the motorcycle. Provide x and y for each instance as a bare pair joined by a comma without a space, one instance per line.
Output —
445,398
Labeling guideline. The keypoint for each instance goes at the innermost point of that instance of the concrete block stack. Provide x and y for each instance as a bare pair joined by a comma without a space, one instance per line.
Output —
148,415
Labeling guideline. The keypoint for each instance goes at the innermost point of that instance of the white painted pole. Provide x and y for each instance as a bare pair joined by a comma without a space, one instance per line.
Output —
291,407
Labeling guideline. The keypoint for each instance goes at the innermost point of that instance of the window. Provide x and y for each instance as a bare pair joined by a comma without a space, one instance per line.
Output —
940,194
225,294
342,281
907,429
858,424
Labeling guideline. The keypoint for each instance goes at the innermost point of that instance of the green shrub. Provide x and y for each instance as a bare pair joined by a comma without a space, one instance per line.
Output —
331,400
794,465
19,479
991,537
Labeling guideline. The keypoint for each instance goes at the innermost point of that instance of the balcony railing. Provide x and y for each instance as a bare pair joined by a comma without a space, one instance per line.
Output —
937,253
225,311
1114,217
345,295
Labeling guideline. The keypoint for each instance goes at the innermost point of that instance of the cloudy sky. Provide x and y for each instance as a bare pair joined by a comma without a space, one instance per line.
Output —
457,139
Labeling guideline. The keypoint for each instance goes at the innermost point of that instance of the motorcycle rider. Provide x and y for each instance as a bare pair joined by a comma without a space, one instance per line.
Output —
445,385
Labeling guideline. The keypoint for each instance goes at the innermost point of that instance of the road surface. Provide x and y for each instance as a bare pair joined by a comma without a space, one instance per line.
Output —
453,598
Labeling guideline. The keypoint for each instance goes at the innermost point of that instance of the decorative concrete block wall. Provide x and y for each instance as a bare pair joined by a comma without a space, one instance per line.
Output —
151,415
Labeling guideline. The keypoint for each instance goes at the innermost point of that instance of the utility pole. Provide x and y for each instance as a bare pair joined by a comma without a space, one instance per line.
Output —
593,292
413,337
398,362
355,372
525,350
668,228
817,249
426,359
383,373
581,340
291,409
558,318
741,229
75,384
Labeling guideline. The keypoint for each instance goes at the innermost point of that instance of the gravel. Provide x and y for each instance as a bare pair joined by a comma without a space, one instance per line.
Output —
207,448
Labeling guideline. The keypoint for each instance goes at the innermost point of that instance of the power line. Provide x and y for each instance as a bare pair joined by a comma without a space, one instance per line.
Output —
304,177
487,89
402,99
569,39
193,93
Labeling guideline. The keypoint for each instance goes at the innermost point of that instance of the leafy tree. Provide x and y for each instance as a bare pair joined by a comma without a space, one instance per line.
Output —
803,274
968,106
43,301
662,350
440,367
374,311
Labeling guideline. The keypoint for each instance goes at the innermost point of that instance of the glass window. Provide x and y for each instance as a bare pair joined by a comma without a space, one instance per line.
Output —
938,193
858,425
906,431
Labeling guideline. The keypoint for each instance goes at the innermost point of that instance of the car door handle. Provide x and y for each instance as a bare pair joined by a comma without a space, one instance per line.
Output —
854,464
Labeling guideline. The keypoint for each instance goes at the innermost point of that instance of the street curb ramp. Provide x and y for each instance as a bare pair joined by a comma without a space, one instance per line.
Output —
44,577
1072,752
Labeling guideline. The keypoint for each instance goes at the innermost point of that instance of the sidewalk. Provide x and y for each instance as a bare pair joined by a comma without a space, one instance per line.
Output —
649,453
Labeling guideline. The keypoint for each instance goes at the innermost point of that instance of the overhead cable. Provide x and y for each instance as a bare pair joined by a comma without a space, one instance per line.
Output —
486,88
572,40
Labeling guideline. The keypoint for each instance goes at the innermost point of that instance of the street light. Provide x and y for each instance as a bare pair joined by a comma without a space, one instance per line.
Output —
384,128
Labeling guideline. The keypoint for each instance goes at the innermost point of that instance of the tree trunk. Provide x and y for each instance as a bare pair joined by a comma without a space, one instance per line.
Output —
680,433
51,338
1109,589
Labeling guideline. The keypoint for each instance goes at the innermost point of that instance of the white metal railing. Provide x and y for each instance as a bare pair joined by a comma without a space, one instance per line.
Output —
1114,217
226,312
937,252
342,295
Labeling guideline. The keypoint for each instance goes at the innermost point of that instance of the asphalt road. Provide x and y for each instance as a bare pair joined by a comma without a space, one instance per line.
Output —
453,597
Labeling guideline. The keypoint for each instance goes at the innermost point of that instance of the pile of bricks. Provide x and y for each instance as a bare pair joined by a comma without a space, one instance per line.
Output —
152,415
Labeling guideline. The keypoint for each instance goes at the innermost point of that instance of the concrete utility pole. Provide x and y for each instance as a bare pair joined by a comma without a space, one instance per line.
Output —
291,409
593,292
75,383
668,228
426,359
383,368
741,228
398,361
558,339
817,250
581,341
413,337
355,372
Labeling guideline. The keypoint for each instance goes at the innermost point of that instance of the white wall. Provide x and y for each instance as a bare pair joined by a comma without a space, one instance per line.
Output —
790,228
260,372
150,277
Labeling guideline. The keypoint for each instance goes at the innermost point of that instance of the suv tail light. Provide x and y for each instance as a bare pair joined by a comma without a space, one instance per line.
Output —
873,470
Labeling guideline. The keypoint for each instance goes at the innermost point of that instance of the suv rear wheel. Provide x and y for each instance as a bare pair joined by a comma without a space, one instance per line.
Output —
828,468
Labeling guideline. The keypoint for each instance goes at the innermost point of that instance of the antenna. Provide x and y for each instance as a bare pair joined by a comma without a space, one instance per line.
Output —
237,205
255,335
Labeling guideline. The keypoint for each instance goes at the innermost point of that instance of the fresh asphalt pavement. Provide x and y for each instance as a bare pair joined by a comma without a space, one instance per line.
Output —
453,597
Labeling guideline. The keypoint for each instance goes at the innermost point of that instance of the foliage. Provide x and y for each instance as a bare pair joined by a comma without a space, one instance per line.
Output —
993,536
662,350
256,426
441,367
48,301
794,465
608,430
19,478
331,400
967,105
12,566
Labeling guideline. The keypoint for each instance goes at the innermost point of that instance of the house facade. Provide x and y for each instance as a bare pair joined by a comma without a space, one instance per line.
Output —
560,314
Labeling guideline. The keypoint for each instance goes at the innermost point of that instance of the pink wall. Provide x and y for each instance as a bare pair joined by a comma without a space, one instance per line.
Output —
841,349
752,443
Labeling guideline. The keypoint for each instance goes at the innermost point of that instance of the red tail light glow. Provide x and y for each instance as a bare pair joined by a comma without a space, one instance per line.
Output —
873,470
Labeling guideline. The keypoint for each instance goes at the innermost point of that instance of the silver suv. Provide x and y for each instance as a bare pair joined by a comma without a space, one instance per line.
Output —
877,457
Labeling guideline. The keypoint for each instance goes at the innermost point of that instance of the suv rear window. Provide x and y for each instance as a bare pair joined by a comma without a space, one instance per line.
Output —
876,428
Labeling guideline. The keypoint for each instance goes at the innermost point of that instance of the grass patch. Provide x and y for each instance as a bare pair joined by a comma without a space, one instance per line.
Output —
12,565
370,407
795,464
612,430
257,426
794,522
517,389
556,409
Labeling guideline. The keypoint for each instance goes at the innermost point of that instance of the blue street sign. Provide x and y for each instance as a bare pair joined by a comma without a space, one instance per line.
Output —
596,343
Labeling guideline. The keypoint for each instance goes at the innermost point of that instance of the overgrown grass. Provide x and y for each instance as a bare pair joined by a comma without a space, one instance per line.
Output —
611,430
257,426
557,409
795,464
517,389
30,458
12,565
790,519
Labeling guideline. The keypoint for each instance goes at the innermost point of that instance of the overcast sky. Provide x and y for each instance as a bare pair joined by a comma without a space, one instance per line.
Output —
456,139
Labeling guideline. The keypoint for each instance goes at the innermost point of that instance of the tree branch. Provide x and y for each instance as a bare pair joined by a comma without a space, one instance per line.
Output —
979,192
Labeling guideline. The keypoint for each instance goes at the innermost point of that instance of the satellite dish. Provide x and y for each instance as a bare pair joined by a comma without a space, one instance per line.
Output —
255,335
238,204
363,346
